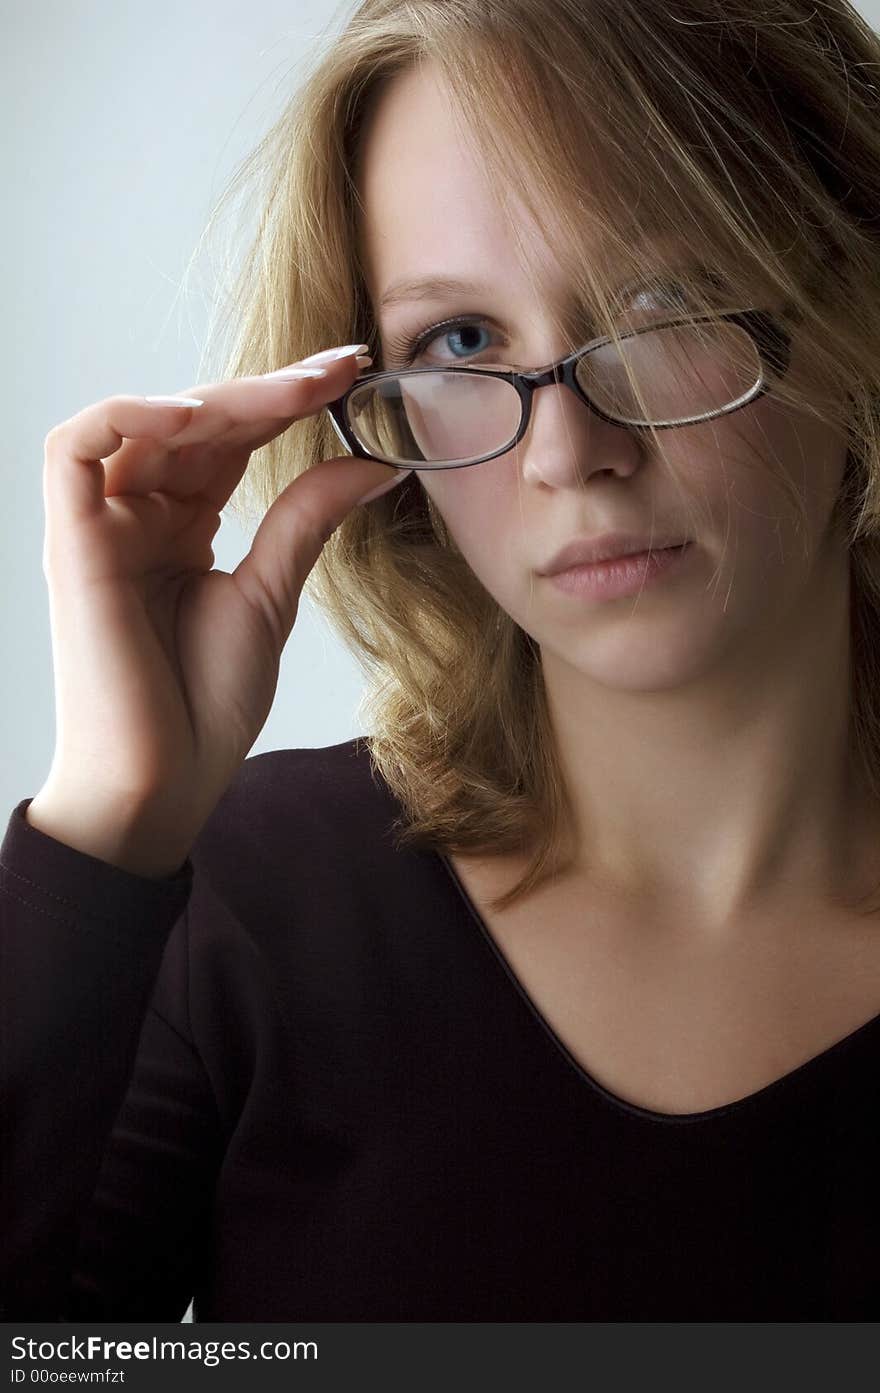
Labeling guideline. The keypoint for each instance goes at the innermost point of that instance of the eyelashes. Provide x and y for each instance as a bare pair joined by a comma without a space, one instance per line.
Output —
404,349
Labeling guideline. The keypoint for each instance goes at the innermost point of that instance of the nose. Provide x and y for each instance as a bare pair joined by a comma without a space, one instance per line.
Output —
566,442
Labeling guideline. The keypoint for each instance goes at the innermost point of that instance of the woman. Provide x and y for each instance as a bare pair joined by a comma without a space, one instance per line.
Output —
558,998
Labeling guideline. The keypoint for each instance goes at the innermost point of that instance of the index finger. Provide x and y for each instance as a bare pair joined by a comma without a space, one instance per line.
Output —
245,412
251,411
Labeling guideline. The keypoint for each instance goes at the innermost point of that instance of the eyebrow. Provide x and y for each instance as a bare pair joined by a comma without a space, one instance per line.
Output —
435,287
439,287
427,288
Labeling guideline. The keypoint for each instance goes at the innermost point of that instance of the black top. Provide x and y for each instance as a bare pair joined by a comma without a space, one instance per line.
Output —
299,1081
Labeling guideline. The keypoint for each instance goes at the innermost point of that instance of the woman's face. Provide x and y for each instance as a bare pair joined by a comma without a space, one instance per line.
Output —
750,564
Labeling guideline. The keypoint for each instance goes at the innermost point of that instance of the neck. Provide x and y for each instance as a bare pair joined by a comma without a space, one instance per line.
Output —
725,793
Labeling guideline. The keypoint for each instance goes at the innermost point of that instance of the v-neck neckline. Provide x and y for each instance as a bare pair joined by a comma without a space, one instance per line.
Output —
800,1073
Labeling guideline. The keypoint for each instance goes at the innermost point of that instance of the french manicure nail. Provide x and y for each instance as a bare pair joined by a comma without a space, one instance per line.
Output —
291,372
174,401
330,354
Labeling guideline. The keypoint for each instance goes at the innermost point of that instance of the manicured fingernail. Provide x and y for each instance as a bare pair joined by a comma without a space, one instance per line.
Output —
330,354
174,401
292,372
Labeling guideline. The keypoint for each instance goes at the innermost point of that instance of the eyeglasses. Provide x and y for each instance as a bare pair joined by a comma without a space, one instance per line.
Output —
452,417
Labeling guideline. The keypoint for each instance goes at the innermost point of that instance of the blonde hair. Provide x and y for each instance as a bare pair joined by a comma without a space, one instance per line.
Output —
755,133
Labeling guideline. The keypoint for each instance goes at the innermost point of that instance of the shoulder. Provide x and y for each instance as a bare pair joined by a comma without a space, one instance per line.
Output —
288,808
283,776
297,869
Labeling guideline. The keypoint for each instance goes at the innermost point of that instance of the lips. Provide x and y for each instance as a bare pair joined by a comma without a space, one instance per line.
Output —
608,547
621,576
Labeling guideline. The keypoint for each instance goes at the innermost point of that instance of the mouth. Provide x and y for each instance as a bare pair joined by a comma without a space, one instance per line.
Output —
610,546
624,575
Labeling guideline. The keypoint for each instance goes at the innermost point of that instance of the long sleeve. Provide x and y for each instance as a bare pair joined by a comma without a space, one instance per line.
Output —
110,1134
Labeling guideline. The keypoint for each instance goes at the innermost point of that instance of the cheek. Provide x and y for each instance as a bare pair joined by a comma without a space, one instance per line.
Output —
766,486
485,520
475,504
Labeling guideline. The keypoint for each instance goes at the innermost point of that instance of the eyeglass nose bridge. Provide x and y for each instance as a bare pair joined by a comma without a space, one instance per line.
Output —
562,371
562,374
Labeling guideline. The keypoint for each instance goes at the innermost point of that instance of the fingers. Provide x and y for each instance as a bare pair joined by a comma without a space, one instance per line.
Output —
125,445
73,476
250,411
237,416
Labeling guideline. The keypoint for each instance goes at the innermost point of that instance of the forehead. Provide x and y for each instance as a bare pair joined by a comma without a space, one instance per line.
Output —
424,200
427,210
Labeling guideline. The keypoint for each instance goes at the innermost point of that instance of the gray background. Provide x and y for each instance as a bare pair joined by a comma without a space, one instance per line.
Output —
121,124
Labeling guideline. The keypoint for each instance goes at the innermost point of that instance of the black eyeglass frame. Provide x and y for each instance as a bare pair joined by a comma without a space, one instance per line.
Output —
773,343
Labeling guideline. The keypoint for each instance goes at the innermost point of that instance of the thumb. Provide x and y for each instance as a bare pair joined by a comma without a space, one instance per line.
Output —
292,535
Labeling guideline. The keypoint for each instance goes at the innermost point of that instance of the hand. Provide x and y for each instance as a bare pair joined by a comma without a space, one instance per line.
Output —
166,670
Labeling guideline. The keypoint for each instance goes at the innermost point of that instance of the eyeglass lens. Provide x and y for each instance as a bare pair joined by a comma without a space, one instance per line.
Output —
441,418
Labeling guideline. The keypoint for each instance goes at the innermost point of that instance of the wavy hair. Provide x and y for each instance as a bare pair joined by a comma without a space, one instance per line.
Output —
751,128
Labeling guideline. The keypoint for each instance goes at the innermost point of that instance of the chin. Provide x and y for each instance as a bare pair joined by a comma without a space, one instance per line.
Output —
635,661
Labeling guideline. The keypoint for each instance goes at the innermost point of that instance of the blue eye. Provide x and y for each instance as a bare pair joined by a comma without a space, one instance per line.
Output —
467,329
403,351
